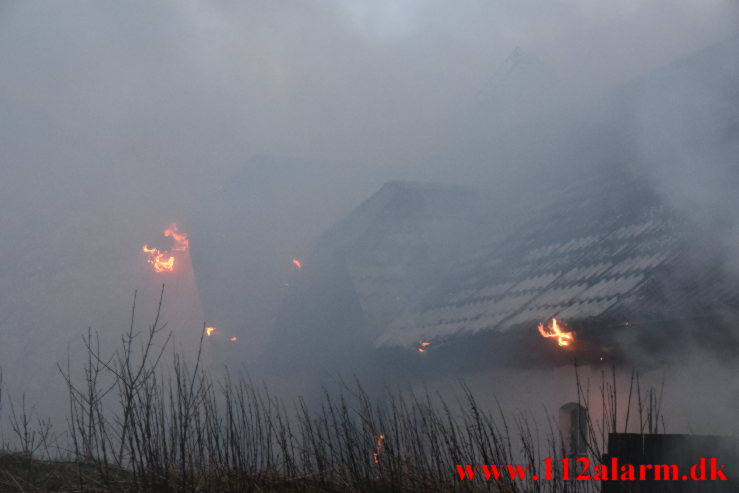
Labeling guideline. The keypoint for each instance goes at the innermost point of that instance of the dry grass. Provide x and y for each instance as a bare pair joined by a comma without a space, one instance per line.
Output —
135,425
22,473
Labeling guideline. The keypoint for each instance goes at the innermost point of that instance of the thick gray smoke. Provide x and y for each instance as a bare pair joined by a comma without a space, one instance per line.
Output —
258,125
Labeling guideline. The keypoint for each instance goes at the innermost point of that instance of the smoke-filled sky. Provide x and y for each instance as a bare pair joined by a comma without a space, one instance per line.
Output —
148,100
119,117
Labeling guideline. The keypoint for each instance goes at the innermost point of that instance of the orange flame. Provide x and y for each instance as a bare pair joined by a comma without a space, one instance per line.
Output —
162,261
209,331
563,338
376,455
423,347
234,339
297,263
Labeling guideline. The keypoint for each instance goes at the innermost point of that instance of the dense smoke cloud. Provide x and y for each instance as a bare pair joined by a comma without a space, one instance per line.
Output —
121,117
136,93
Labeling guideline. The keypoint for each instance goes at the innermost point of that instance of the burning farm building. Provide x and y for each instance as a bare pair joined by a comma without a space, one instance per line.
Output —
618,262
594,272
599,272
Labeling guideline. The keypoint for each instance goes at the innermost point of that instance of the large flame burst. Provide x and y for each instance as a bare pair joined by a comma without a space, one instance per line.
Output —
553,330
163,260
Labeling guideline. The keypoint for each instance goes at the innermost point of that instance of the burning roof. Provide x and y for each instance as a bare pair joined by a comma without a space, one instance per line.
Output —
586,255
164,260
600,248
599,254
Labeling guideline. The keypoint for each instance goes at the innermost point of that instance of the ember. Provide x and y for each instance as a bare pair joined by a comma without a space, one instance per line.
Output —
234,339
376,455
563,338
423,347
297,263
163,261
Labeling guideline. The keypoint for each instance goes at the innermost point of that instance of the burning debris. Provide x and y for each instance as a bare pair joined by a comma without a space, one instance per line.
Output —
209,331
423,346
376,456
553,330
297,263
163,260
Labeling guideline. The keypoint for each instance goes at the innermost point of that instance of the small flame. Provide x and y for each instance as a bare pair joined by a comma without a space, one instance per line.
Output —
209,331
181,243
423,347
159,261
563,338
297,263
379,439
163,261
234,339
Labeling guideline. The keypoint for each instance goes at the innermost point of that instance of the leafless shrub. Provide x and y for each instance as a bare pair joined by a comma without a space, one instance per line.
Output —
175,427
